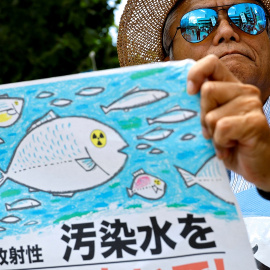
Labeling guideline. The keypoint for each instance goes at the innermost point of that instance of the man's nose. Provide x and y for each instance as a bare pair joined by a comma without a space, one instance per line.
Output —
226,32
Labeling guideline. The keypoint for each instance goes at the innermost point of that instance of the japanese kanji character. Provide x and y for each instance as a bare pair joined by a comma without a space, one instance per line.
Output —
16,255
159,233
34,254
79,236
117,244
3,256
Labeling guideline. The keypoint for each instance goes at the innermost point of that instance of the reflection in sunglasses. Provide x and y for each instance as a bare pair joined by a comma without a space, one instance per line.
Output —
197,24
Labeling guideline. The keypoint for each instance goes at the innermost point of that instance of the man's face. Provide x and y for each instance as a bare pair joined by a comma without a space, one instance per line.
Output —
247,56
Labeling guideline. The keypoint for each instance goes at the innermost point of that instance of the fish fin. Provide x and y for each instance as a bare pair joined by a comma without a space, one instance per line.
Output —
141,171
8,207
64,194
86,163
189,178
4,96
105,109
150,121
130,192
175,108
11,111
133,90
2,178
155,188
46,118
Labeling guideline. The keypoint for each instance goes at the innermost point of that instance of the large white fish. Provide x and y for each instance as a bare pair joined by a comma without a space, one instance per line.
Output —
135,98
66,155
147,186
174,115
10,110
210,176
156,134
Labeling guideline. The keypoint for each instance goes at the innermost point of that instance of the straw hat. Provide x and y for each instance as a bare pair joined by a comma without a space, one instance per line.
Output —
140,30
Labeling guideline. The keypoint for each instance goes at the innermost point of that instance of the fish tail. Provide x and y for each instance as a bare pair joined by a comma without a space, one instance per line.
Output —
2,177
130,192
105,109
8,207
189,178
150,121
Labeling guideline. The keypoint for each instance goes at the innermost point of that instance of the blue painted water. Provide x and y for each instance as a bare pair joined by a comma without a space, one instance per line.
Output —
188,154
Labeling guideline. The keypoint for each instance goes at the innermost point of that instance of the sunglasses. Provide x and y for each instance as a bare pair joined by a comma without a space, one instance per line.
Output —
196,25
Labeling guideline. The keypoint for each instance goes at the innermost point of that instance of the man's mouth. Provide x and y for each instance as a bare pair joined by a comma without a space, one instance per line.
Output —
234,53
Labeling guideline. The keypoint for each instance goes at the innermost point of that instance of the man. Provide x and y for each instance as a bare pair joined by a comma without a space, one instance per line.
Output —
232,73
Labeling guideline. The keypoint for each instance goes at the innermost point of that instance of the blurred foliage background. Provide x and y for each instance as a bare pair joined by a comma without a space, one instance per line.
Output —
48,38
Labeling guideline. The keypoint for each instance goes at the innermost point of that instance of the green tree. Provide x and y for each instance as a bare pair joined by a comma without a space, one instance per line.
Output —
46,38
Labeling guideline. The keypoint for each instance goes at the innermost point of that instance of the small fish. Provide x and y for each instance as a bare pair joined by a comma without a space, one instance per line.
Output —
135,98
30,223
73,153
188,137
143,146
156,151
10,110
2,141
10,219
90,91
156,134
147,186
2,229
45,94
61,102
209,176
22,204
173,115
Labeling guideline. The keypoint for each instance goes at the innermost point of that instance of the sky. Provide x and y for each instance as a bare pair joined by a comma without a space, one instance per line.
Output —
117,15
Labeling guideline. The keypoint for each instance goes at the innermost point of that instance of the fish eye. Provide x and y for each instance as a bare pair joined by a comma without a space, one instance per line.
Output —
157,182
16,103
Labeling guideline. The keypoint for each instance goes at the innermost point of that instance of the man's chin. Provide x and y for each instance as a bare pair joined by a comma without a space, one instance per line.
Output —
241,66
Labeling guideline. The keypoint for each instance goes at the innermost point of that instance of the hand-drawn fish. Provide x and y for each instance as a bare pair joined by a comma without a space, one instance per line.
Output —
65,155
22,204
10,110
61,102
90,91
10,219
173,115
147,186
45,94
209,177
136,98
156,134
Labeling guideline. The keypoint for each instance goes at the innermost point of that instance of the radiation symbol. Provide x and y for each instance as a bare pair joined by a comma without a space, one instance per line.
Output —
98,138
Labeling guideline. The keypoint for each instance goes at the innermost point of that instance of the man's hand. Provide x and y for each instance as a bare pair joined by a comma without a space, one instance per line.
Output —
231,115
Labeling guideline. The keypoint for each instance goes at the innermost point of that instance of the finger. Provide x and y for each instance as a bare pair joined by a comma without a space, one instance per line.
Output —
239,131
217,102
208,68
